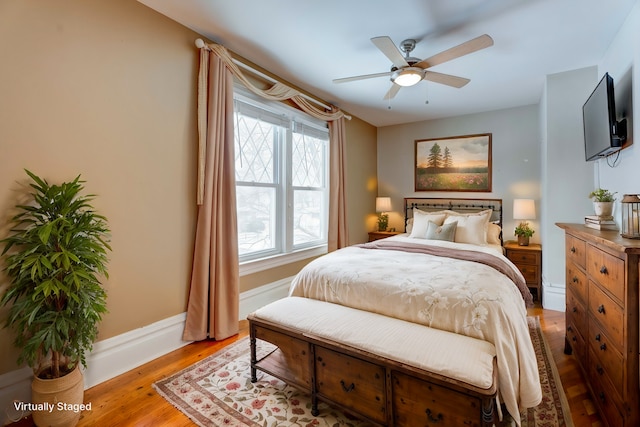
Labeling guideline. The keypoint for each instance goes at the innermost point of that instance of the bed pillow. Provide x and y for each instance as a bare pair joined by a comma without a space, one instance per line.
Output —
421,221
441,232
472,227
493,234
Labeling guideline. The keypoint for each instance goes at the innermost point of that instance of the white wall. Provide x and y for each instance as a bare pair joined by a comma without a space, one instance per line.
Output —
568,178
516,146
622,62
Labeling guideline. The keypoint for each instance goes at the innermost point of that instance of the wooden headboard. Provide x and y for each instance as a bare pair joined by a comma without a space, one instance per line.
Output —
458,205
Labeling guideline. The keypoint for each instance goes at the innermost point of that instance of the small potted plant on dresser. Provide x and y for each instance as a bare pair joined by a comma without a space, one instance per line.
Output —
55,256
602,202
523,231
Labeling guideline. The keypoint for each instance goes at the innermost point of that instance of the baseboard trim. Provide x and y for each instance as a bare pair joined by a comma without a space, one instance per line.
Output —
553,297
117,355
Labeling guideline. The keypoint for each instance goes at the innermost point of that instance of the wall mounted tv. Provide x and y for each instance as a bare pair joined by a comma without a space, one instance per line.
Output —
603,133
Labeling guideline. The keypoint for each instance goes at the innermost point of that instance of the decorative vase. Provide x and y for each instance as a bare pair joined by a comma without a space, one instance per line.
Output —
60,399
523,240
603,208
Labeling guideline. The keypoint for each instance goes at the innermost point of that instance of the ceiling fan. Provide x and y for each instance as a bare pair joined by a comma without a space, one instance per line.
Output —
408,71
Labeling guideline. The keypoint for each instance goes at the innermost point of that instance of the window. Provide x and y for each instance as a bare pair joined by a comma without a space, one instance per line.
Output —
281,160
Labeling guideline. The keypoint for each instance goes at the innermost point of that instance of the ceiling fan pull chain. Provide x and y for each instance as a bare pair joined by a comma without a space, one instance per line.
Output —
426,91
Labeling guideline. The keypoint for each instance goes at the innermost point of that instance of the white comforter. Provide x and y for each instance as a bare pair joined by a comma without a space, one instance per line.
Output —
454,295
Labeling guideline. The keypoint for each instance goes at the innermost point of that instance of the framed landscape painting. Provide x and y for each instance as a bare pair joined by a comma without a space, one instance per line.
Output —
457,163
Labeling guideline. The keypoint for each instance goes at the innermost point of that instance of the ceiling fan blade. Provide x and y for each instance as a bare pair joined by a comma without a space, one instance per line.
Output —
362,77
465,48
445,79
392,92
390,50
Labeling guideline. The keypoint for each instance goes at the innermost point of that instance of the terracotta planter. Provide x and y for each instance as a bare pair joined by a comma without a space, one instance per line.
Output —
60,398
523,241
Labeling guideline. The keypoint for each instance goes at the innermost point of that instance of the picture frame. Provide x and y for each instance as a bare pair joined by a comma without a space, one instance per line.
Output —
455,163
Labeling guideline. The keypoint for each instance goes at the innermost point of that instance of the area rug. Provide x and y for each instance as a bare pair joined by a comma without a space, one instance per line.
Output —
217,391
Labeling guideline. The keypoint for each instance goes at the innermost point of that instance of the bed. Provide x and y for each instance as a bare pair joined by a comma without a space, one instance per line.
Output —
446,273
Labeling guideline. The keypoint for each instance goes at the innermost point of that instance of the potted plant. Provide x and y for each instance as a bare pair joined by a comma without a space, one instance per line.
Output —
524,232
55,256
602,202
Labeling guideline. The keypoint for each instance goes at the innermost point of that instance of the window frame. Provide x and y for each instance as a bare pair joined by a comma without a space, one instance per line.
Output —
288,118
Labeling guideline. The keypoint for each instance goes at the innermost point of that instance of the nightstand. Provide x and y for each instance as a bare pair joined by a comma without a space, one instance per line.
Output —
528,259
377,235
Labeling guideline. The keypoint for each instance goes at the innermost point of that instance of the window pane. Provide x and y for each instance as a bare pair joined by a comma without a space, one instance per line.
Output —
308,216
256,218
308,161
255,150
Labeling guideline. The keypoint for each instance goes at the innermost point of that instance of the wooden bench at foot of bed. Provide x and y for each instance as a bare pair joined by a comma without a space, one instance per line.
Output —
389,371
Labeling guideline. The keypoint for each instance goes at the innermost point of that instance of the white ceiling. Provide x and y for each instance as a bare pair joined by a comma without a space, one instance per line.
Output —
310,43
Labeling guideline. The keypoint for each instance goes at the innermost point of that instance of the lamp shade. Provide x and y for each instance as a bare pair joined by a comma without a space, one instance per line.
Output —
383,204
524,209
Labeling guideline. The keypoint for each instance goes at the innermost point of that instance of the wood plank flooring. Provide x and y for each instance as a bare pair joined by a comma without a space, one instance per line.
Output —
129,399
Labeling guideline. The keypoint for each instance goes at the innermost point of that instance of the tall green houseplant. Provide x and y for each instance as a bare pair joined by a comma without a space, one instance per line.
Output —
55,257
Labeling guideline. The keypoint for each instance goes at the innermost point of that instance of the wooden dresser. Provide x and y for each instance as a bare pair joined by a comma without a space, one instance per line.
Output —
602,318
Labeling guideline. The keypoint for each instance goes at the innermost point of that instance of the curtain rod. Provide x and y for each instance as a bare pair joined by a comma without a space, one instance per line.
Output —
200,44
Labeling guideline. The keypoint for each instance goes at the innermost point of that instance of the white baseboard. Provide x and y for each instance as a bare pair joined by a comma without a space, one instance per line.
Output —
553,297
119,354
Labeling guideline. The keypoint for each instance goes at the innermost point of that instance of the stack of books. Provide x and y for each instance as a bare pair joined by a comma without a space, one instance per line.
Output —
600,222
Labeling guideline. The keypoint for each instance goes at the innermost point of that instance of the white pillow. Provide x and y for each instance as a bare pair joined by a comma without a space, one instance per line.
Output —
472,227
493,234
421,222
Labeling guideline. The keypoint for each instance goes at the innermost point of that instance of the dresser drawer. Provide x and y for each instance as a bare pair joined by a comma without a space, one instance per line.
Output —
607,398
607,359
607,270
419,403
577,344
576,312
576,281
576,250
608,314
352,382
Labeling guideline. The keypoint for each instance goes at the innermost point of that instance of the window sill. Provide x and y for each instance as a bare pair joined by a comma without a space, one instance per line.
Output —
258,265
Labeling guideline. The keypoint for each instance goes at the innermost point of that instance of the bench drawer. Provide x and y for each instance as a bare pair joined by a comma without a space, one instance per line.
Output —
417,402
353,383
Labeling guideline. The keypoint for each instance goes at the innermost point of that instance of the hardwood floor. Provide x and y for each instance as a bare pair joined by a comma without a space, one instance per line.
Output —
129,399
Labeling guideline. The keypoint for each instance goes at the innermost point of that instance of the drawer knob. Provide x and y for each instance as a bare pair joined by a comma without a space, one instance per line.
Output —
569,328
603,269
601,309
575,279
432,418
575,309
597,337
603,346
345,388
573,249
601,396
599,369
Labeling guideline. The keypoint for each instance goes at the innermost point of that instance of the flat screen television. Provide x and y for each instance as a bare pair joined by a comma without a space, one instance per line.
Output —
603,133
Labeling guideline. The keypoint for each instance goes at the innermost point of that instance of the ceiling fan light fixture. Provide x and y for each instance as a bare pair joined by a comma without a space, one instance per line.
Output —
407,76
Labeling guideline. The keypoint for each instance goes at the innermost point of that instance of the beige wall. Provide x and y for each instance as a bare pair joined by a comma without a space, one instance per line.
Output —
106,89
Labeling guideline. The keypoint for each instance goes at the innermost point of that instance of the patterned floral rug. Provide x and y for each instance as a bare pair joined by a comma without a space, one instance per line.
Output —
217,391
